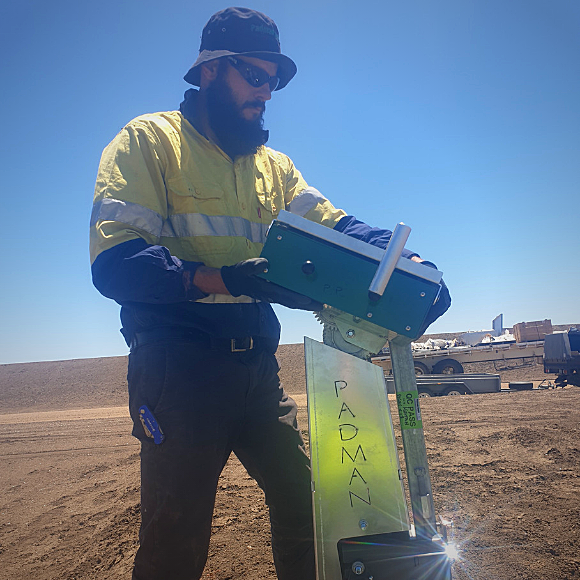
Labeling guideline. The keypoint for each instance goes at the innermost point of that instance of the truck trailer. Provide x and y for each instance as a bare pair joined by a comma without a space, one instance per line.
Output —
450,360
437,385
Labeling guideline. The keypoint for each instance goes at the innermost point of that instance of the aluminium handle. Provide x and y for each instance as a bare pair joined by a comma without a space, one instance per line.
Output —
389,260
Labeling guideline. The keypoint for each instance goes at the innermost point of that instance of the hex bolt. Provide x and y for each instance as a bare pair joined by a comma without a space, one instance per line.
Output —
358,568
350,333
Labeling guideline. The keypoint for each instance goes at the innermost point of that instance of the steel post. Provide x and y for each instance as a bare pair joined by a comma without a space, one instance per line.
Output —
413,438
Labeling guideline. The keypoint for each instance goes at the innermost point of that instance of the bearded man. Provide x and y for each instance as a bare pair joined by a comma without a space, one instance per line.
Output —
182,204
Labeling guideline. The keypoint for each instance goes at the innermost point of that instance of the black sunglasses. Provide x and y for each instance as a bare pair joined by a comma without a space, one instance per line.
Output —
254,75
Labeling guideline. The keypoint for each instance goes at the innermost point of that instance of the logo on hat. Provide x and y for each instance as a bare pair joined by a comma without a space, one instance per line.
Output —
265,30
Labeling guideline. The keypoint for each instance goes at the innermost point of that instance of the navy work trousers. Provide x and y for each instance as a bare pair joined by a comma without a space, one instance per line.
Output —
210,403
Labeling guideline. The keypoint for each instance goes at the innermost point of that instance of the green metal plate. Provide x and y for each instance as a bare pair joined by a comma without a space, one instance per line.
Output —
341,278
356,477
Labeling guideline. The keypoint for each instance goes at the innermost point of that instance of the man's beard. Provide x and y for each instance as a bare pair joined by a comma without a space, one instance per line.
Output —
236,135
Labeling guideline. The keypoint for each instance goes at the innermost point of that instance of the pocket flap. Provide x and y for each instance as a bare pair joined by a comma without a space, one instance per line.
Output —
182,185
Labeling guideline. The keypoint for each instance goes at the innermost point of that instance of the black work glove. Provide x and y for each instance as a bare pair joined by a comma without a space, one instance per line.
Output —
241,279
440,306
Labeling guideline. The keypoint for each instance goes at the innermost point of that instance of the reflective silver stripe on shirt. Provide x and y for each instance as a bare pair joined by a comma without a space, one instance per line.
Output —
194,224
128,213
305,201
177,226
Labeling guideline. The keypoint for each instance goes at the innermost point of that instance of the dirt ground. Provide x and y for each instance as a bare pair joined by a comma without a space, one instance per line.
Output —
504,468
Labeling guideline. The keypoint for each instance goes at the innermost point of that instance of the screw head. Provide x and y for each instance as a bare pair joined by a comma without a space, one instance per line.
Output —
407,328
363,524
422,294
350,333
278,237
308,267
358,568
369,314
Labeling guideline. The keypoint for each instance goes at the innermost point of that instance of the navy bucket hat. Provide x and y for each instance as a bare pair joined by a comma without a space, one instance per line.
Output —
241,32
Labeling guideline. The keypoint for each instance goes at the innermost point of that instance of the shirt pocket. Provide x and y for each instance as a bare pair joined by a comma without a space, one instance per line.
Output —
199,220
187,195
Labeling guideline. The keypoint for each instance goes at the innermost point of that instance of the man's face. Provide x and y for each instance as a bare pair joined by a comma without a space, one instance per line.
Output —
236,108
250,100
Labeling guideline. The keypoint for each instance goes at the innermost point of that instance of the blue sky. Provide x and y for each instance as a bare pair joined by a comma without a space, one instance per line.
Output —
460,118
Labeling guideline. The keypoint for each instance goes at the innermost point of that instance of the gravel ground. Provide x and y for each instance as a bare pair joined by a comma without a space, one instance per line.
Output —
504,469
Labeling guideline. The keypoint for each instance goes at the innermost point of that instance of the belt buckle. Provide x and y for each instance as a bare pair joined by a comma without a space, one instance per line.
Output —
235,349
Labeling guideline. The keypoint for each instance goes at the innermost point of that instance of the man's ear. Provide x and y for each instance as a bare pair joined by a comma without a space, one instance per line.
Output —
209,71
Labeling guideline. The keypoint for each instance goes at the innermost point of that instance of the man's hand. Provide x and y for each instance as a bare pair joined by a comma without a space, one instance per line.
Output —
242,278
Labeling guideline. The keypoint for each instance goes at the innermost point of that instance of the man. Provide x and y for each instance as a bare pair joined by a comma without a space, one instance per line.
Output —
182,204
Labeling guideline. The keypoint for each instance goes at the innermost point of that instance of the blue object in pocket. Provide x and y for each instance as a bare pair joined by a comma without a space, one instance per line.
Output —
150,425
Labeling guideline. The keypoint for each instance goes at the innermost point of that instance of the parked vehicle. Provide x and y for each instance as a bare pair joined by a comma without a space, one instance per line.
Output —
562,357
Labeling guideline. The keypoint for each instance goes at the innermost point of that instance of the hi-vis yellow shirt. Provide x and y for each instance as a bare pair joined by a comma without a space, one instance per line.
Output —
162,181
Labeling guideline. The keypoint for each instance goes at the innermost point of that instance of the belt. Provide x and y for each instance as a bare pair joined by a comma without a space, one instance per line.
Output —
204,340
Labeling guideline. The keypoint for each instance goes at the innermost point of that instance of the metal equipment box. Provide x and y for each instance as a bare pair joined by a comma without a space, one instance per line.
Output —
338,270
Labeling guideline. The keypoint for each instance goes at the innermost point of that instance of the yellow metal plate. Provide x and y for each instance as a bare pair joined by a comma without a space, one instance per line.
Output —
356,477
